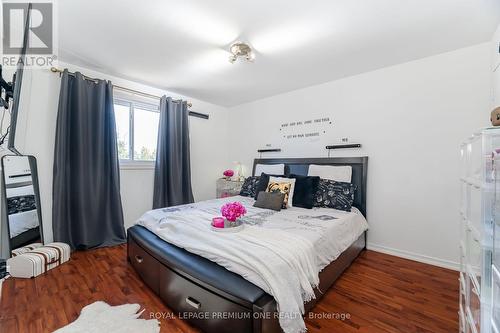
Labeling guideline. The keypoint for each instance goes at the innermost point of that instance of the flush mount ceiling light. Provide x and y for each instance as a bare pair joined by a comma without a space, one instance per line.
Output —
240,50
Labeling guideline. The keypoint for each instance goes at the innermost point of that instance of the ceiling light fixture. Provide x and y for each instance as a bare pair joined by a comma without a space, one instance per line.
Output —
240,50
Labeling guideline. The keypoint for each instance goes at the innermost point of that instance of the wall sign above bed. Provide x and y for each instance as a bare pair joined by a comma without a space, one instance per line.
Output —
306,128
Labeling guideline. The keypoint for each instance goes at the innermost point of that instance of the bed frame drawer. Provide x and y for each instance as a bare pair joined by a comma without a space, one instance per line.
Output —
206,310
144,264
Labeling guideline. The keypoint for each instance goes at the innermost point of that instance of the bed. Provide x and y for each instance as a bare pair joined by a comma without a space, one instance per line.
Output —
213,296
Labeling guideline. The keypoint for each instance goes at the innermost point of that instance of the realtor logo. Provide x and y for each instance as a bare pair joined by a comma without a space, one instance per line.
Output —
37,33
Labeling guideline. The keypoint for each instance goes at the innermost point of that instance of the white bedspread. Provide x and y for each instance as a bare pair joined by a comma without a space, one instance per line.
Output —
281,252
23,221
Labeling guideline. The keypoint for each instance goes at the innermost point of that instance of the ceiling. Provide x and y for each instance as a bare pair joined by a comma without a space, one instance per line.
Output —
181,45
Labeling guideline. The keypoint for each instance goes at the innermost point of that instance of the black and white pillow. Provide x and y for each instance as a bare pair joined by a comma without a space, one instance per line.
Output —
22,203
249,187
337,195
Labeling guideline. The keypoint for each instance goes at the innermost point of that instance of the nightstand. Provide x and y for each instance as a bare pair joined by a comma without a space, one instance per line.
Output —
228,188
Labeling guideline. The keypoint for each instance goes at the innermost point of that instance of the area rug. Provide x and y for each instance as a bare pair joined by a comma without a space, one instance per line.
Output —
100,317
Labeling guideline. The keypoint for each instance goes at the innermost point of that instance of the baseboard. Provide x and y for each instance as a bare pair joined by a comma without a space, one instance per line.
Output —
415,256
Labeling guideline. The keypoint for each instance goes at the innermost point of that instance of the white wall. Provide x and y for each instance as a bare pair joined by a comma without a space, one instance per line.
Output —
207,139
495,67
410,119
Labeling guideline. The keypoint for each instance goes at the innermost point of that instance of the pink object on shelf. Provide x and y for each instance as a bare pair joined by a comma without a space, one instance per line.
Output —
228,173
218,222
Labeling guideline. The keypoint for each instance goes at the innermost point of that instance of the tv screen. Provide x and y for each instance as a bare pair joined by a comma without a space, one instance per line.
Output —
17,82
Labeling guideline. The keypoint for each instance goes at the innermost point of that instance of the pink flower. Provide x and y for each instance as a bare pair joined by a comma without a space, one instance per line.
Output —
233,210
228,173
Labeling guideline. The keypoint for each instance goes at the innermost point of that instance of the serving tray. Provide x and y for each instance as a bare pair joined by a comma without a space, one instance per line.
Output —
230,227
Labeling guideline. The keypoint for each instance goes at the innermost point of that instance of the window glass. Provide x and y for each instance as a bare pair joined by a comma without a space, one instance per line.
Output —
145,134
122,119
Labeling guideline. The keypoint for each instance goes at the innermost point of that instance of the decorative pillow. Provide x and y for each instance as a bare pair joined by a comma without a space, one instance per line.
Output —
275,169
262,184
250,186
20,204
280,188
305,191
270,200
273,179
331,172
332,194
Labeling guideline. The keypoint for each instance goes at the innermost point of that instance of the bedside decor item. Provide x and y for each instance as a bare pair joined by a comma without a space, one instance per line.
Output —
218,222
280,188
227,188
495,116
268,150
344,146
228,174
233,210
270,200
239,171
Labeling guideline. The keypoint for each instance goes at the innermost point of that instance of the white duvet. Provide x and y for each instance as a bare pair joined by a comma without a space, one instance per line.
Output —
23,221
280,252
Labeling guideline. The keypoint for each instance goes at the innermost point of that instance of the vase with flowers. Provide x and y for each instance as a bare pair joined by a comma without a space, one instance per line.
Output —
232,211
228,174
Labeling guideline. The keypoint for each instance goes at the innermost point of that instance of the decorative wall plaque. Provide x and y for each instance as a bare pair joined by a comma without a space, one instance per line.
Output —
308,128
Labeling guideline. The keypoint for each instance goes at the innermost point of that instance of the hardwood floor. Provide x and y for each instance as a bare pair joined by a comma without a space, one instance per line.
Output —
379,293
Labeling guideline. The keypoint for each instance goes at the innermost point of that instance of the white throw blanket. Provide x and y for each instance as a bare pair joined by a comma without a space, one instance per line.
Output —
282,263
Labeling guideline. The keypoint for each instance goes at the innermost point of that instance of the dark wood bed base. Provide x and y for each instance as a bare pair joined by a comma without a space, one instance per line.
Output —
177,288
191,298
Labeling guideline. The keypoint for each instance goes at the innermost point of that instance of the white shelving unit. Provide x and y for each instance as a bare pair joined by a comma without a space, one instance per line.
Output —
479,209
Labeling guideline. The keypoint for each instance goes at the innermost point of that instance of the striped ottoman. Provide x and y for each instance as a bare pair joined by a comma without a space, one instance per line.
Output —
38,260
24,249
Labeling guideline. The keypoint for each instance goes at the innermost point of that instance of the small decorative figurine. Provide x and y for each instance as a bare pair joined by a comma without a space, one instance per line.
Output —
495,116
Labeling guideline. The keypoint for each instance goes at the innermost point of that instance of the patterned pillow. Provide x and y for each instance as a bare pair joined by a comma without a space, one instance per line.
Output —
332,194
282,188
20,204
249,187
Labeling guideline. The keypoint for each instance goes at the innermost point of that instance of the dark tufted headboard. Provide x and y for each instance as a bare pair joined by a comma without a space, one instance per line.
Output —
300,166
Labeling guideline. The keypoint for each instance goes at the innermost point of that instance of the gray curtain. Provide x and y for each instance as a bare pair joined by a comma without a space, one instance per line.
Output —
86,202
172,184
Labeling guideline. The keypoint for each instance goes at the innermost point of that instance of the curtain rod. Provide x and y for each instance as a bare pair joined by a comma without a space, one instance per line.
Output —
60,71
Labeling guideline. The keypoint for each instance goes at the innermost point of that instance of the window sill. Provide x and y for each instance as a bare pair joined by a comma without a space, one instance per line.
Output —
136,165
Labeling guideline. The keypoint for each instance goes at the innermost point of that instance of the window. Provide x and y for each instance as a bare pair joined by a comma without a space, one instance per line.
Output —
136,129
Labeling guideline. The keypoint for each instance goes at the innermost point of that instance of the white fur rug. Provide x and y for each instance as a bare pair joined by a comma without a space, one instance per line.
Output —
100,317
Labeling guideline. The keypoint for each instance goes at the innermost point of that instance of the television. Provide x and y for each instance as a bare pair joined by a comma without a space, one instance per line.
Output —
17,84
